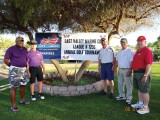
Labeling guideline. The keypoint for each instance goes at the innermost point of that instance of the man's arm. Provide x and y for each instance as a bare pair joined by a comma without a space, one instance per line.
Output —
29,74
7,62
129,72
147,71
115,66
99,65
42,65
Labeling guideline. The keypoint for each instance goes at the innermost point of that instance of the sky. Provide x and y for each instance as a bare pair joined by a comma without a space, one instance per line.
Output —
151,36
151,33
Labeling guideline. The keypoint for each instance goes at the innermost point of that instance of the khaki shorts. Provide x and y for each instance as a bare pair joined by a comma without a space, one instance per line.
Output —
142,87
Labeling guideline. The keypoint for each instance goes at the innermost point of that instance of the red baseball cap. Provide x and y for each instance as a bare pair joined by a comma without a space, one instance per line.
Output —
141,38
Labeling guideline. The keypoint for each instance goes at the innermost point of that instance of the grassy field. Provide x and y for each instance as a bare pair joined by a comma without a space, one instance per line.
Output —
86,107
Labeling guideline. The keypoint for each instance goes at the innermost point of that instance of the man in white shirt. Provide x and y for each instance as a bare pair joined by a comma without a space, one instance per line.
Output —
124,58
106,61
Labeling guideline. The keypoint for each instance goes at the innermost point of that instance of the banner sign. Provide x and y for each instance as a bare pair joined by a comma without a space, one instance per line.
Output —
81,46
49,44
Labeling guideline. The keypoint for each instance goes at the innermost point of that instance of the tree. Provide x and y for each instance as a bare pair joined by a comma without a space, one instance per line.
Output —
157,43
5,43
115,17
26,16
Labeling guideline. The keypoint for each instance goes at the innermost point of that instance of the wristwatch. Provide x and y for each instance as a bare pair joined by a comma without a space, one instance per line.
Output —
130,69
145,75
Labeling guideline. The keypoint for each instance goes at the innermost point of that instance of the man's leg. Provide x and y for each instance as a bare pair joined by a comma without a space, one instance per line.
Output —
13,96
145,108
140,97
22,92
32,88
105,83
33,98
121,83
111,86
146,98
128,82
40,86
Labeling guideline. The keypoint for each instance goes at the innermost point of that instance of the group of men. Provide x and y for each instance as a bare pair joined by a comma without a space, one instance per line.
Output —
127,62
23,66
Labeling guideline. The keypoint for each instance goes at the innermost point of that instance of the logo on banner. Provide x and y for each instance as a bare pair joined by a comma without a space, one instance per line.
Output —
102,36
51,41
66,35
65,57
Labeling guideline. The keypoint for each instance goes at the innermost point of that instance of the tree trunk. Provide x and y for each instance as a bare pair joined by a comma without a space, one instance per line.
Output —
60,70
29,35
80,72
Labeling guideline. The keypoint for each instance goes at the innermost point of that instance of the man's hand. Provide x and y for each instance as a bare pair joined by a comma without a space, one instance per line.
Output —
128,73
113,68
44,71
29,74
144,79
115,71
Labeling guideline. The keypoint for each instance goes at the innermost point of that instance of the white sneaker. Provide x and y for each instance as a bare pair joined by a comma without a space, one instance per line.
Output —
33,98
128,101
120,98
137,105
41,96
143,110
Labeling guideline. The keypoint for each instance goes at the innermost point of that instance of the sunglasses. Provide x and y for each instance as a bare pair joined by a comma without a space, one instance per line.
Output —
21,40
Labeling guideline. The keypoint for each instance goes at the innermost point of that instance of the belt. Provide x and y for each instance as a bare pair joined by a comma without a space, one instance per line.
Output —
34,66
124,68
106,63
139,71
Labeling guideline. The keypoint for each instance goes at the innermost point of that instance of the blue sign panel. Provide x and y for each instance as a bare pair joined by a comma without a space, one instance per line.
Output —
49,44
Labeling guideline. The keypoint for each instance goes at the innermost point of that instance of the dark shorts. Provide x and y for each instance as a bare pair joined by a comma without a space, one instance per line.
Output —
142,87
36,72
106,71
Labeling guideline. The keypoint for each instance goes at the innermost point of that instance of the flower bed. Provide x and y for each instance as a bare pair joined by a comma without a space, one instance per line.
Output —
72,90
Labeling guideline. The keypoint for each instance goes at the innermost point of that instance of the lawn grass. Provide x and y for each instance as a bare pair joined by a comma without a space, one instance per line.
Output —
85,107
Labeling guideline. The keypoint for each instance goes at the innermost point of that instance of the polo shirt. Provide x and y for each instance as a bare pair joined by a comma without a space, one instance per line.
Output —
142,58
106,55
34,58
125,57
17,56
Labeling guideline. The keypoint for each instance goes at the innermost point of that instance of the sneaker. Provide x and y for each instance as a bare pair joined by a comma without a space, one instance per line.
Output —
14,109
24,102
128,101
103,93
41,96
137,105
33,98
120,98
111,95
143,110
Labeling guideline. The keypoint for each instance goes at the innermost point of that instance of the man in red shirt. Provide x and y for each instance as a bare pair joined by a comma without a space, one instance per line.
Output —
141,65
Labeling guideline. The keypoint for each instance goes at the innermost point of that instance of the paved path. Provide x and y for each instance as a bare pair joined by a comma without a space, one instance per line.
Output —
48,65
3,69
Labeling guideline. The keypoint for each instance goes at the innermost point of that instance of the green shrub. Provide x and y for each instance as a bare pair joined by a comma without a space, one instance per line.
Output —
156,54
63,61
